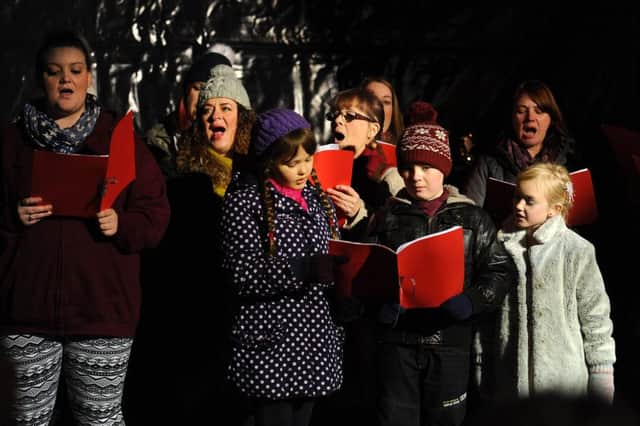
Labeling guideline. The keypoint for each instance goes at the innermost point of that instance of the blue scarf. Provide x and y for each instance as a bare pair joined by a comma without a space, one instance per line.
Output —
46,133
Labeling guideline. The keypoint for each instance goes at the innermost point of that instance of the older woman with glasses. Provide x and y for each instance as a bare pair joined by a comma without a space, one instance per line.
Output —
356,116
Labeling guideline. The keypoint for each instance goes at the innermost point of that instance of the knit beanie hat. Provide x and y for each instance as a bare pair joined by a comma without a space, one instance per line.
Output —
272,125
425,143
223,83
201,68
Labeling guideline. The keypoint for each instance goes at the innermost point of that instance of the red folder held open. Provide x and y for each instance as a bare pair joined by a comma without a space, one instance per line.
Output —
81,185
625,144
499,199
333,166
121,168
421,273
389,151
71,183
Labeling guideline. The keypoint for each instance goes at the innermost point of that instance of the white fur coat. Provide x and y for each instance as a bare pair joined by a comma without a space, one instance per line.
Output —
554,326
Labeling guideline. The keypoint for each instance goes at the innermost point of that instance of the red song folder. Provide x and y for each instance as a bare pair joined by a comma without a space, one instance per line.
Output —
420,273
625,144
72,183
121,167
389,151
81,185
499,199
333,166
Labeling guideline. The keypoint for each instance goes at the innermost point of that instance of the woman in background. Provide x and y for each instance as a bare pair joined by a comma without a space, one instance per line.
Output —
393,124
537,133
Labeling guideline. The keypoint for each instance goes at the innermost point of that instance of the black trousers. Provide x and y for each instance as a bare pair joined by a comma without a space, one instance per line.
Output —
420,385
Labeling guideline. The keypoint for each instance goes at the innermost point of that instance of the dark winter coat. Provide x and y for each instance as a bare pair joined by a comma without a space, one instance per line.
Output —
62,276
488,269
285,342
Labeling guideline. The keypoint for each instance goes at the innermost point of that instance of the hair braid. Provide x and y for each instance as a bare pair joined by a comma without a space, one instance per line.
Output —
328,207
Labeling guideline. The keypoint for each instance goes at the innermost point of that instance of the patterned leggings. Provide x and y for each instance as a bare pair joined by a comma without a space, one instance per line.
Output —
94,372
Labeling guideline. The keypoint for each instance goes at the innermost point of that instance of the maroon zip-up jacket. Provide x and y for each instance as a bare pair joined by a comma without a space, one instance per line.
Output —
62,276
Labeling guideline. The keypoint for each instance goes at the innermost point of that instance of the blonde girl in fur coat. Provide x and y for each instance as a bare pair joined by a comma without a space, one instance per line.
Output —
554,334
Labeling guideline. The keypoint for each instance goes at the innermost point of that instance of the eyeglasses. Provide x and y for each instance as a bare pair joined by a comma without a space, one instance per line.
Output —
349,116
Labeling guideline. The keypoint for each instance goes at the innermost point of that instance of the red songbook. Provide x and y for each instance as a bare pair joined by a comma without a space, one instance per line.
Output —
333,166
81,185
72,183
389,151
499,199
625,144
121,167
421,273
636,163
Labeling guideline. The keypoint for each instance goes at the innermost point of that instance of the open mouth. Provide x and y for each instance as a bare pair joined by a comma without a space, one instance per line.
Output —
338,136
530,130
217,132
66,91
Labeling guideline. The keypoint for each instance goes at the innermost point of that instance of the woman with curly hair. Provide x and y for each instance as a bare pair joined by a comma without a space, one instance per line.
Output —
199,318
222,129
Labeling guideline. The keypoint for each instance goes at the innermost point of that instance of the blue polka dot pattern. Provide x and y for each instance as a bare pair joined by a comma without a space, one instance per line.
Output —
285,342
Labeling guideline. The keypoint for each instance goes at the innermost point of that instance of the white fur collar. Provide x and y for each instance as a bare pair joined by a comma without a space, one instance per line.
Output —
552,227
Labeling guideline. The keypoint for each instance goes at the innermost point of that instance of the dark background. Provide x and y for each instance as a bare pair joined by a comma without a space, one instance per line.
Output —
298,54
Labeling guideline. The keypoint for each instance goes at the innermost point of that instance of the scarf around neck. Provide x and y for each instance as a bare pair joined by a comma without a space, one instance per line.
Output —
430,207
519,155
225,164
294,194
45,132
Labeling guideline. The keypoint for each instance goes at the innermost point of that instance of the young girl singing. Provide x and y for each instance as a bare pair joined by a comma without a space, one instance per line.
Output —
554,334
287,349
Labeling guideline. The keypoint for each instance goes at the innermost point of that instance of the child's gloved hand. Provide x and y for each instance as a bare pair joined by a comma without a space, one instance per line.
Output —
389,313
458,307
319,268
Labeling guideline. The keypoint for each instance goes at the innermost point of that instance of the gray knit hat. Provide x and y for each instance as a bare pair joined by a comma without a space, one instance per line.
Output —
223,83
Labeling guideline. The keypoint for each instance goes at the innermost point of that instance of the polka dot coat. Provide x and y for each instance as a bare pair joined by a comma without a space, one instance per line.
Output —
285,343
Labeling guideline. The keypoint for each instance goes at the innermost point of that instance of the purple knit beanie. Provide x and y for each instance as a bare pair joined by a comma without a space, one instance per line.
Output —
272,125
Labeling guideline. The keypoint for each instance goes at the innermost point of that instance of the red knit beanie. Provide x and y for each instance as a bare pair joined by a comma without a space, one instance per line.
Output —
425,143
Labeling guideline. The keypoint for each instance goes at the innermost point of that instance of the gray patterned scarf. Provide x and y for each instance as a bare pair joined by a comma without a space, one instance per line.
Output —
45,133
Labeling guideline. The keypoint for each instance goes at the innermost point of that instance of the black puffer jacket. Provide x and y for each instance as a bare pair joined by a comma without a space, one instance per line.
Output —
489,271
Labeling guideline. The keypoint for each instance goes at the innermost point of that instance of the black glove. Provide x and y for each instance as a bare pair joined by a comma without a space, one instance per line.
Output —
458,307
389,313
318,268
